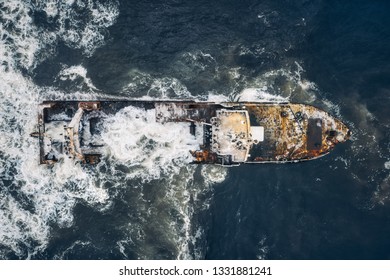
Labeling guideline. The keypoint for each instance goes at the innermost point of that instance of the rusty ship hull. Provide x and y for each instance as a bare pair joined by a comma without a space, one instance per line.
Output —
228,133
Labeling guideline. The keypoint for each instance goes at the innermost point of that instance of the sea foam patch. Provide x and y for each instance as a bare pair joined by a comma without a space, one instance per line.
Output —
80,24
260,95
134,137
75,73
19,38
34,196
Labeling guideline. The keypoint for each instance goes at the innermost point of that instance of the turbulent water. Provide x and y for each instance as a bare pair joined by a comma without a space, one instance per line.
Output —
144,201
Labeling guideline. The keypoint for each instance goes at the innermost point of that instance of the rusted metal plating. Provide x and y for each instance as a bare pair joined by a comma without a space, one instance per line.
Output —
295,132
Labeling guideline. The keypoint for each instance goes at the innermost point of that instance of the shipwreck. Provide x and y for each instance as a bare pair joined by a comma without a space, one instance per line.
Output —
228,133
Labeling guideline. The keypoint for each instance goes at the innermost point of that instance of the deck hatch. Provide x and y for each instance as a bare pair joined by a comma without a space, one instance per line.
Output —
314,134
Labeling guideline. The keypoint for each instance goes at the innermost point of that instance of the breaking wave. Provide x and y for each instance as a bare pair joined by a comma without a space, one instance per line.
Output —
149,148
77,75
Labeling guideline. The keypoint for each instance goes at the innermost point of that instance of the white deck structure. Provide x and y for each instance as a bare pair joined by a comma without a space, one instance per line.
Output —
231,134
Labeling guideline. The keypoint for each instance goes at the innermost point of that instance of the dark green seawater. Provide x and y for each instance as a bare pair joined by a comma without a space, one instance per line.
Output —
333,54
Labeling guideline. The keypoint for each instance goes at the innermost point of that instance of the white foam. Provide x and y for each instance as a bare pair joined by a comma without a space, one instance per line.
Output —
193,197
215,97
50,8
52,192
46,188
81,32
77,71
346,162
134,137
181,195
280,85
262,249
168,216
200,60
214,174
152,151
304,84
259,95
168,88
35,196
235,73
19,38
387,164
137,80
25,45
78,243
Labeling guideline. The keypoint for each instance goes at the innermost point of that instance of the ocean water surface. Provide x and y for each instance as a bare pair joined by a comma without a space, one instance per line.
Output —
145,201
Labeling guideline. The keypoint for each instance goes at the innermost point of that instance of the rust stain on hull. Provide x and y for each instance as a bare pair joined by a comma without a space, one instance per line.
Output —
231,133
